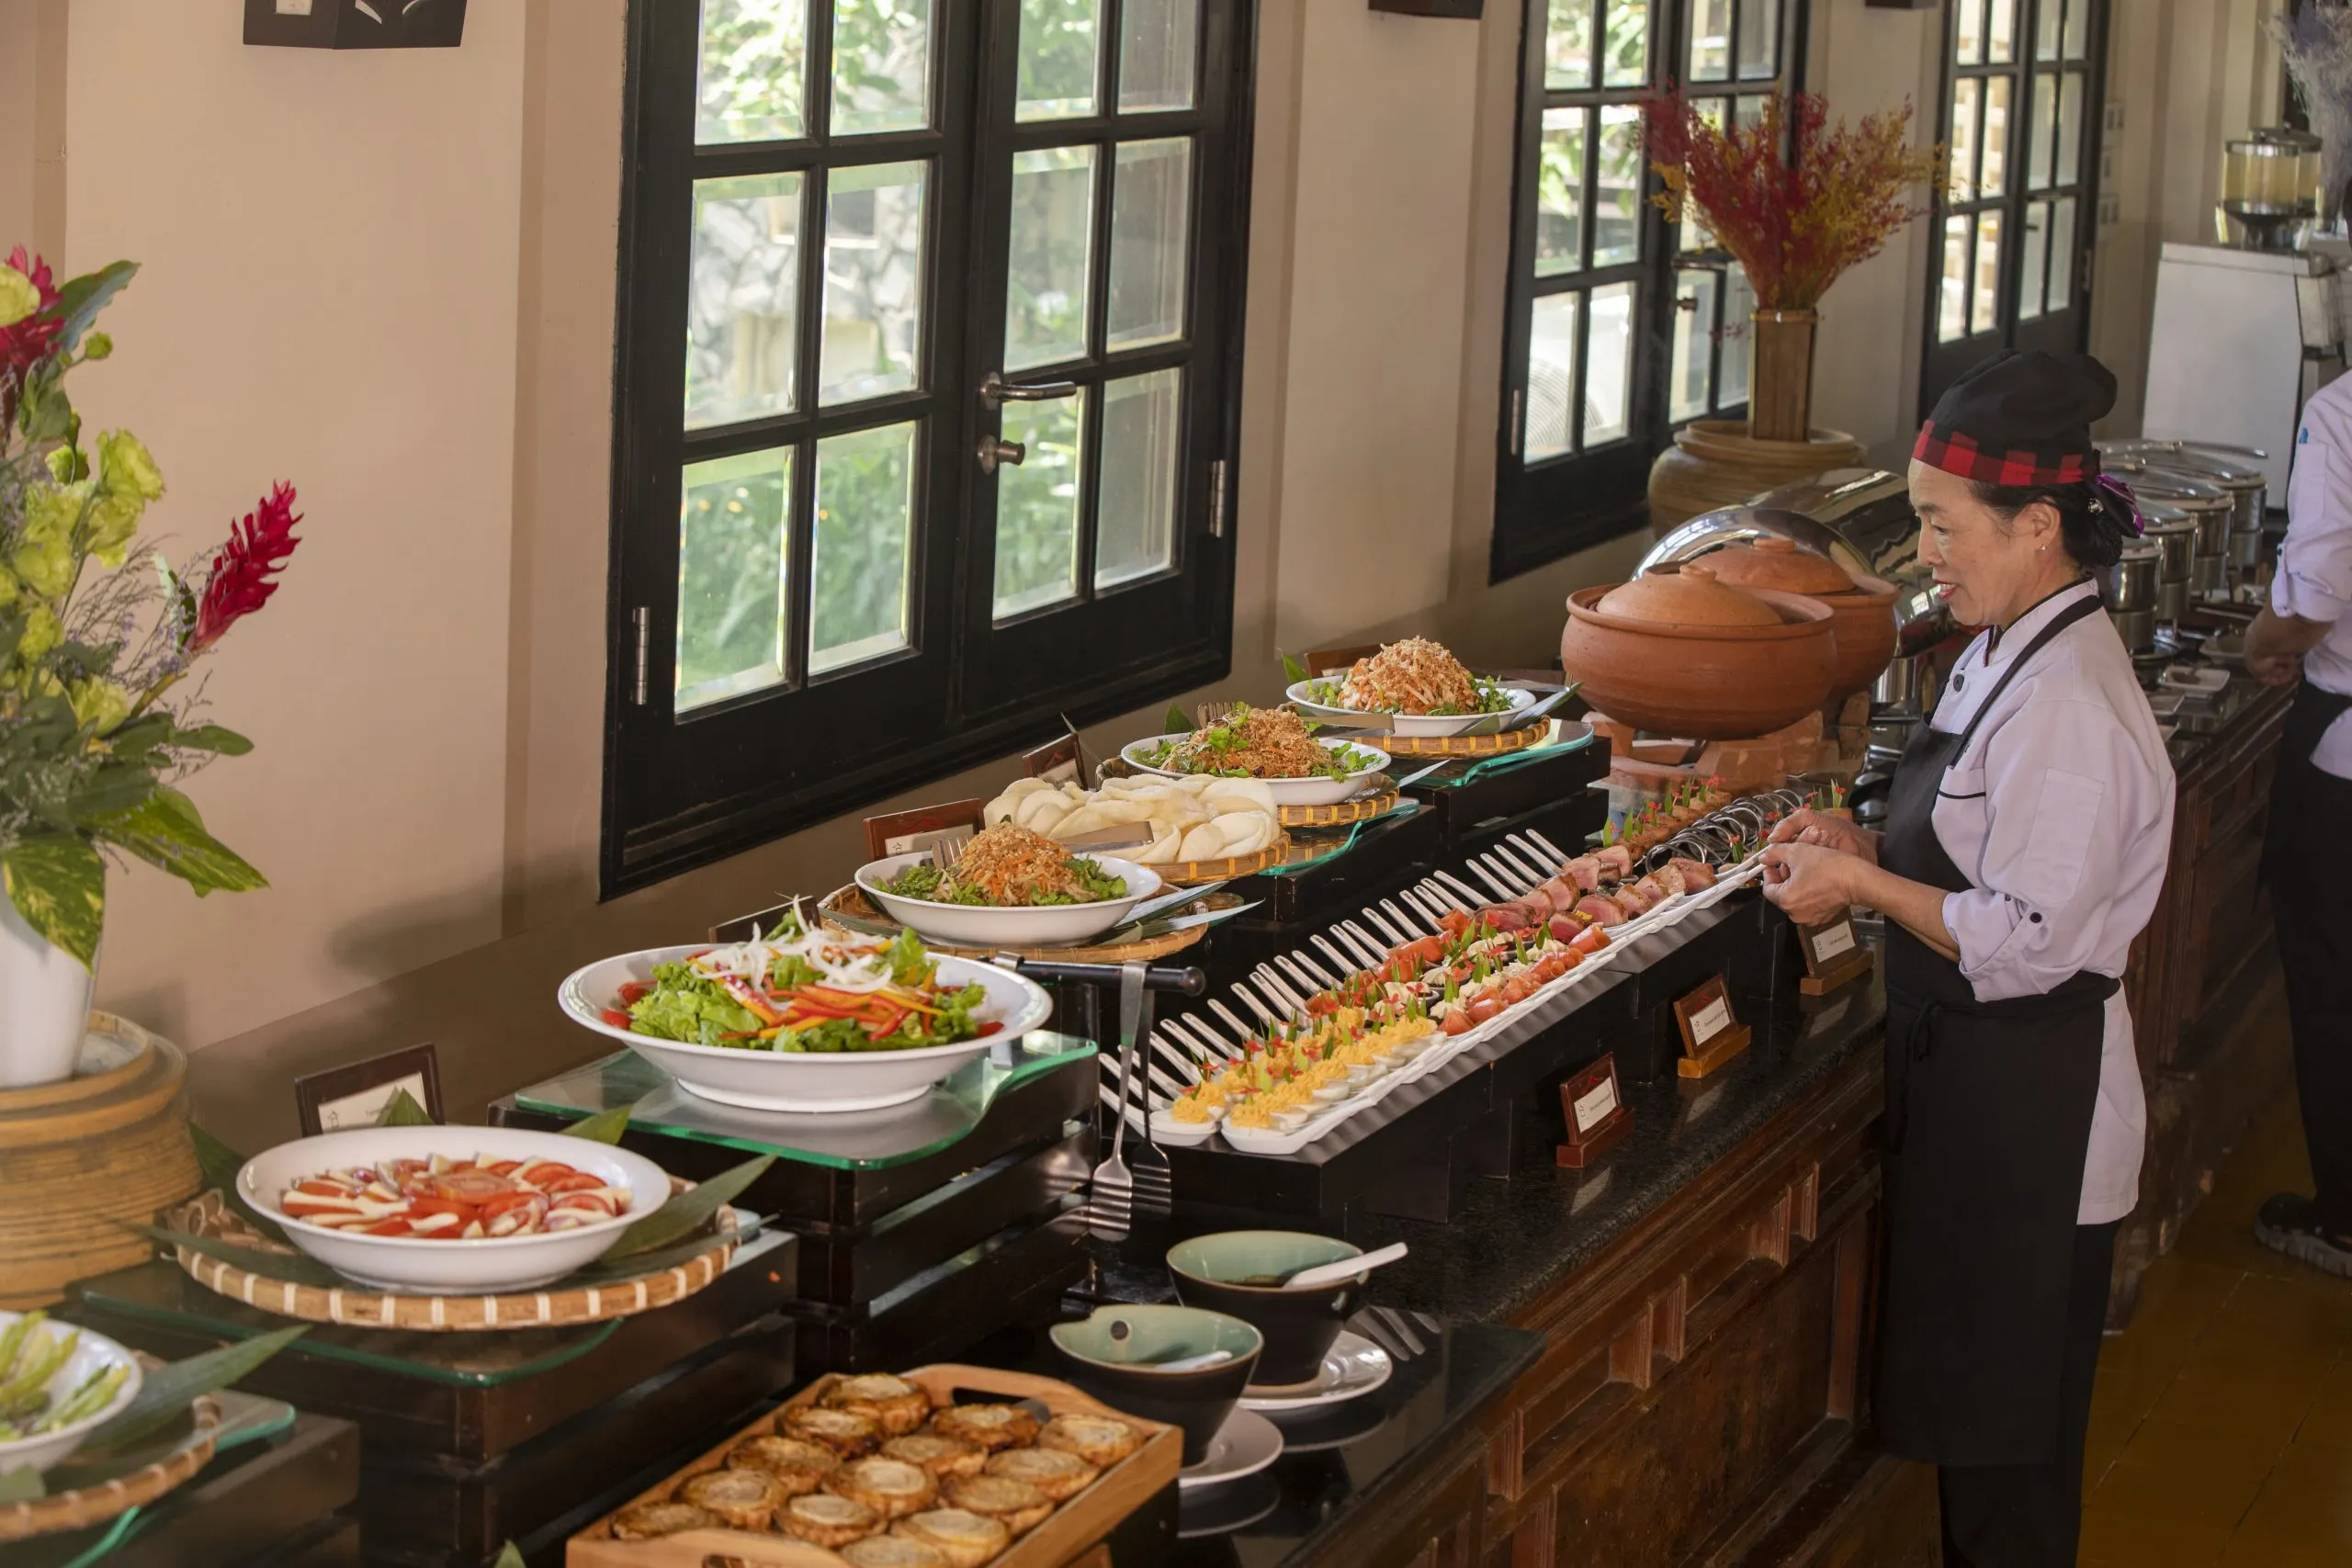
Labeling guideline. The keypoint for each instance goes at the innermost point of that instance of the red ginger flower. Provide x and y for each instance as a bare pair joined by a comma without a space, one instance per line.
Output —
25,343
239,582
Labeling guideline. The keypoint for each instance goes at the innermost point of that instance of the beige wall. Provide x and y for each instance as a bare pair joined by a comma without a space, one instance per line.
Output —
391,277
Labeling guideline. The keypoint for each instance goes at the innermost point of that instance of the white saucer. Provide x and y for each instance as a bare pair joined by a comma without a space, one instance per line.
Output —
1245,1445
1353,1367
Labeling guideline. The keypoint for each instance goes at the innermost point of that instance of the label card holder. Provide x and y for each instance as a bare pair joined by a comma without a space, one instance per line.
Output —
1597,1114
1712,1032
1834,955
1057,761
355,1096
904,832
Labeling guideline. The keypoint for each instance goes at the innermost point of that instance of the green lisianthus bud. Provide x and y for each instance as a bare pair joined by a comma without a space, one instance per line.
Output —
97,345
43,631
19,298
127,468
99,703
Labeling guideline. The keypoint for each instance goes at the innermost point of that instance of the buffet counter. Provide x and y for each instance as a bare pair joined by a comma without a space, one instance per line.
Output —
1618,1364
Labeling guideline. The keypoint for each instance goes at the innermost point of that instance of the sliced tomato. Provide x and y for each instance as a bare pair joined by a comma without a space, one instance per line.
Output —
540,1172
615,1018
577,1181
394,1225
635,991
990,1028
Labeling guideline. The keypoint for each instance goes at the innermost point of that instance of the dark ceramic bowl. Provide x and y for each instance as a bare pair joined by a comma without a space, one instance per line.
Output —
1126,1371
1299,1325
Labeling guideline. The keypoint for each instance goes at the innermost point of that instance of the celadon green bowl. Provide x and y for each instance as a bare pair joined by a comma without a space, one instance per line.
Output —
1299,1325
1128,1371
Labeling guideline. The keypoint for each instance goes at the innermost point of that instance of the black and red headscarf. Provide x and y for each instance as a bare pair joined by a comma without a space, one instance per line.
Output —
2020,419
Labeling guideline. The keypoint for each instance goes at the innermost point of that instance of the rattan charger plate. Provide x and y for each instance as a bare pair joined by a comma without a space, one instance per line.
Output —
851,902
359,1306
1377,798
1502,745
87,1505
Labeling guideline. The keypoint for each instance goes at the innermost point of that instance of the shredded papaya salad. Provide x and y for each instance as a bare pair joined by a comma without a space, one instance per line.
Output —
804,991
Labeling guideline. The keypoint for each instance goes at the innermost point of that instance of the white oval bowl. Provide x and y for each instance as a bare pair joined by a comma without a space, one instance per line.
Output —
1286,792
1411,725
778,1080
91,1352
422,1266
977,925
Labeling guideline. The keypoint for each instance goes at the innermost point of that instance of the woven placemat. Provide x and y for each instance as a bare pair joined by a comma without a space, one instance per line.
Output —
1500,745
851,902
361,1306
87,1505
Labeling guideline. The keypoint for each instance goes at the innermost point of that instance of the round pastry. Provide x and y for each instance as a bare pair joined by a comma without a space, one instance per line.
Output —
993,1427
896,1405
643,1521
1097,1439
967,1540
822,1519
846,1432
747,1499
938,1453
1056,1472
1020,1505
893,1552
888,1486
795,1462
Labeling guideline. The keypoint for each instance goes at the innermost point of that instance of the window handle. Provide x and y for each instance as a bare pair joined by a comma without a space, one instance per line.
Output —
996,390
994,451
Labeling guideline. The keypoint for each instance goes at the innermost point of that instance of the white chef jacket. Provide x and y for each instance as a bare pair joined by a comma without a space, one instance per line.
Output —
2314,577
2060,815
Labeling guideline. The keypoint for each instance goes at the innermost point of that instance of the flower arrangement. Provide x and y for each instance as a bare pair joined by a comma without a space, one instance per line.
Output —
2316,44
99,634
1795,199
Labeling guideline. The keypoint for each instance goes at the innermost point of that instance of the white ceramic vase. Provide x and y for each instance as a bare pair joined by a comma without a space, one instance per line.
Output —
44,1005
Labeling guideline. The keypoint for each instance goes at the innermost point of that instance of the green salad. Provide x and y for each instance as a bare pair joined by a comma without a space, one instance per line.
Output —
799,991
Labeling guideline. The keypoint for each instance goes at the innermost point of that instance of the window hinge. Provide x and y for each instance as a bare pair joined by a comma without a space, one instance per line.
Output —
2085,266
642,619
1216,499
1511,429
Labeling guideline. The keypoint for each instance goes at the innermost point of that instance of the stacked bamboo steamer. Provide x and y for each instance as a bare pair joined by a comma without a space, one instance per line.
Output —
107,1144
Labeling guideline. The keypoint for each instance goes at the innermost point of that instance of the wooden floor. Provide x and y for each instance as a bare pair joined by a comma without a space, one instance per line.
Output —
2221,1431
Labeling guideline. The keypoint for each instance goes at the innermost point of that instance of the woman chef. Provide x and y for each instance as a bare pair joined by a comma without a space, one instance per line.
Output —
2025,846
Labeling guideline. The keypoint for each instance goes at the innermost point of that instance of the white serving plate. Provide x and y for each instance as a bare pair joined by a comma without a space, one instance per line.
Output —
92,1352
422,1266
778,1080
1286,792
972,925
1409,725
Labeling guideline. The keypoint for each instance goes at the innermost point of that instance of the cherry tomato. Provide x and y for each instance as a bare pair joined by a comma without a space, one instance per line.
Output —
615,1018
634,991
988,1029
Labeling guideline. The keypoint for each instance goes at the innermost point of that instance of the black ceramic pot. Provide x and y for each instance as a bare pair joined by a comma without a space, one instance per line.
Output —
1121,1356
1299,1325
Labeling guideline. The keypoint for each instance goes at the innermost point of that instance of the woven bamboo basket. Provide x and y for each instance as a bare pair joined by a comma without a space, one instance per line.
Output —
557,1307
1346,813
1502,745
109,1143
87,1505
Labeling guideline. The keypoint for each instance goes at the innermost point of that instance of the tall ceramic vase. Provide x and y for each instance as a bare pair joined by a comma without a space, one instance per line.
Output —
1779,388
44,1005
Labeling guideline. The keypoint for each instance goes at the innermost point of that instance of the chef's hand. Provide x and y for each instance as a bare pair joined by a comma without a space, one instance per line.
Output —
1832,832
2275,669
1810,881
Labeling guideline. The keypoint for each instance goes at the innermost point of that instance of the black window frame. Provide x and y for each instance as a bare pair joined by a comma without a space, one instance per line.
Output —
2067,329
681,792
1555,506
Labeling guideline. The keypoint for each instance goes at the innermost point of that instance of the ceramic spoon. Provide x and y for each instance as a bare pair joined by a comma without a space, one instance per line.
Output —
1345,1268
1121,1330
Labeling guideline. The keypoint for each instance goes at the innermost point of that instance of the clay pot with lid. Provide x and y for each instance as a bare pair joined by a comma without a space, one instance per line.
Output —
1863,608
1679,653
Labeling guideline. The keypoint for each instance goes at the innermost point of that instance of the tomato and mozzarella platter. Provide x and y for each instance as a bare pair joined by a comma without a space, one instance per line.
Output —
442,1199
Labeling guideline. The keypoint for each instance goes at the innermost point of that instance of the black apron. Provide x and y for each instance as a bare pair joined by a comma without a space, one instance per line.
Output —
1988,1122
2292,791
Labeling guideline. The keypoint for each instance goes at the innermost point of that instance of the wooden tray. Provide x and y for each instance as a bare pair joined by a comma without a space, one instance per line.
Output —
90,1505
1184,873
851,900
1360,808
358,1306
1066,1532
1502,745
